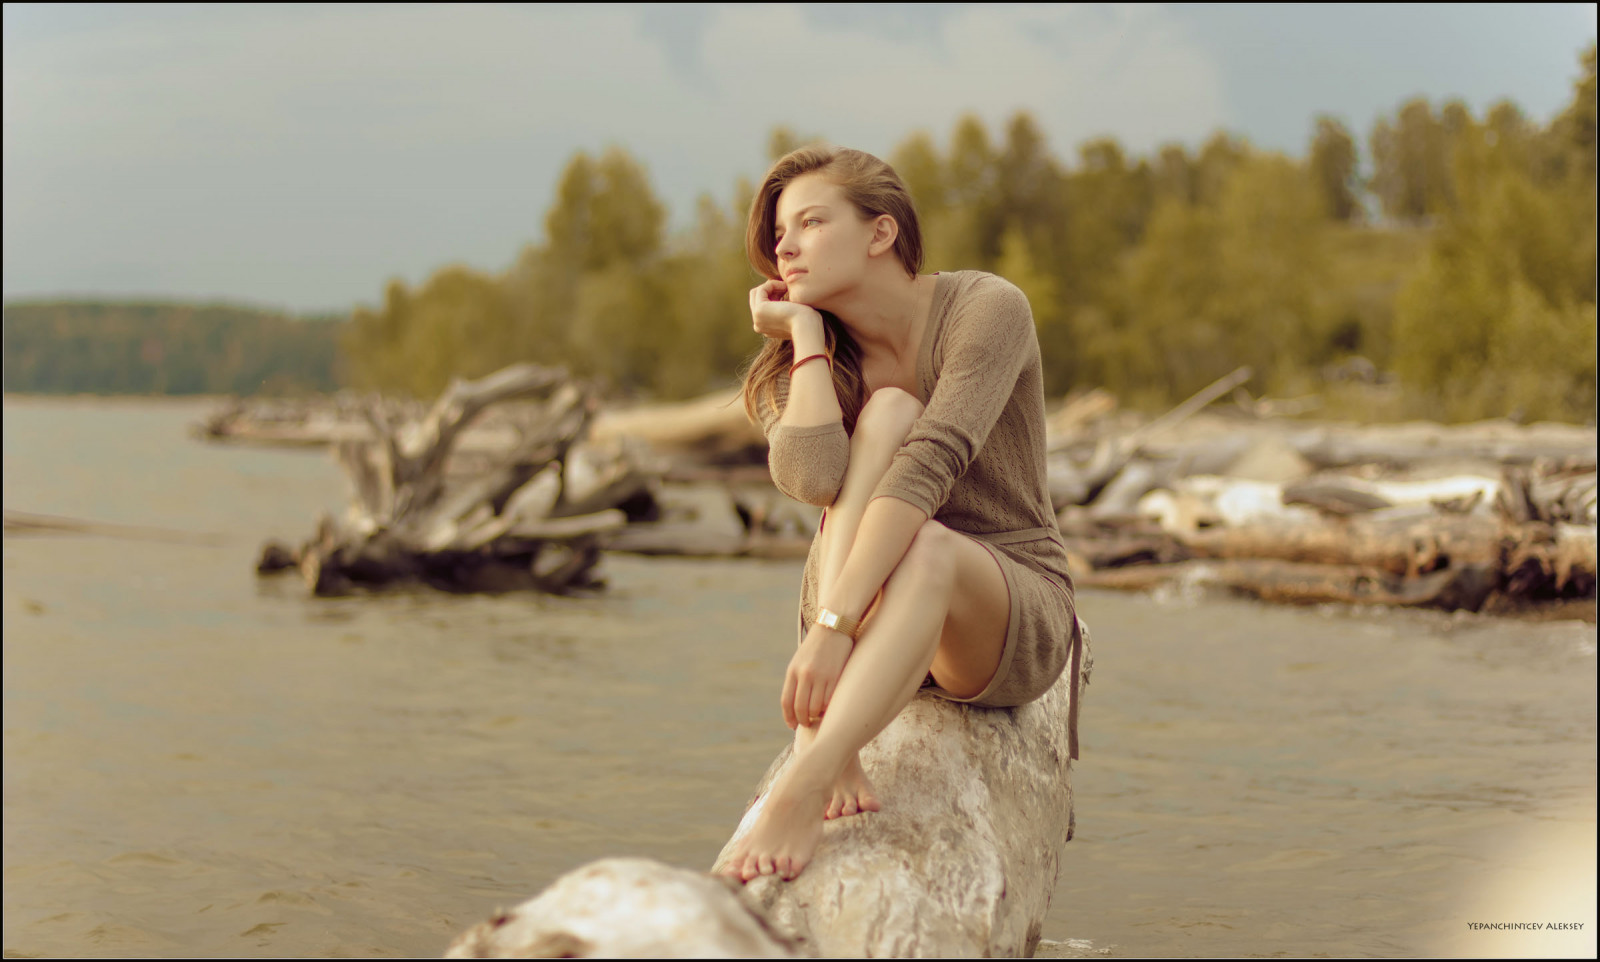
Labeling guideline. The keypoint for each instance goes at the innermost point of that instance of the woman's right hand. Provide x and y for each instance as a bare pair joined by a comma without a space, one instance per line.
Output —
775,317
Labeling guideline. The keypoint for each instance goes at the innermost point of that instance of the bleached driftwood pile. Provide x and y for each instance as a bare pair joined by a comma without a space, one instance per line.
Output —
962,860
1485,517
1490,516
516,523
529,499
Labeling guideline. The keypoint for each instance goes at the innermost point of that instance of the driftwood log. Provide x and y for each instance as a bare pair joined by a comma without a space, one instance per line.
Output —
708,430
1471,562
518,523
962,861
617,908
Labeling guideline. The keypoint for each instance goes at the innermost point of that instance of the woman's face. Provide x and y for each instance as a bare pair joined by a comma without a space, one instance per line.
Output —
821,242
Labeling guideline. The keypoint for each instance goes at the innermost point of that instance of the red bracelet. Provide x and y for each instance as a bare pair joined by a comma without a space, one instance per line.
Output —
810,357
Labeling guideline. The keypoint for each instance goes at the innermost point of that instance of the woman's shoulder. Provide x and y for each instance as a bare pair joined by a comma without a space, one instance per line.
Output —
983,293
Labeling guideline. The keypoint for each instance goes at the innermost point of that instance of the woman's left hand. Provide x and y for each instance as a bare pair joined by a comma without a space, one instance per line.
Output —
813,675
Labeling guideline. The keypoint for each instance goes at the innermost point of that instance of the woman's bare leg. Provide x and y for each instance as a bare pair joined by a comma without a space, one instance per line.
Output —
946,606
885,421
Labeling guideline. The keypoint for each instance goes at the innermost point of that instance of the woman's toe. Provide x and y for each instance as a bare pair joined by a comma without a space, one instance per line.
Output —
849,807
765,865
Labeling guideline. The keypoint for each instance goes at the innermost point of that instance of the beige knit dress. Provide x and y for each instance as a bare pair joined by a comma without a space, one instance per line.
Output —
975,462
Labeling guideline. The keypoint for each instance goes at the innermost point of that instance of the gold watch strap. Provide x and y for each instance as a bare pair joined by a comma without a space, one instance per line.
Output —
850,627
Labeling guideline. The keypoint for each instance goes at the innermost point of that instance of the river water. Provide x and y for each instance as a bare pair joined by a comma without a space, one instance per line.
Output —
199,763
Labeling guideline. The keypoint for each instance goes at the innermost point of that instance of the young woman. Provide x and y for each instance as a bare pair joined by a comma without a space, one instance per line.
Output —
911,407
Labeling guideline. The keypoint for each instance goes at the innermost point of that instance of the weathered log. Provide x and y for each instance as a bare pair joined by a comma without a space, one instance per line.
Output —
962,860
275,557
1112,550
1553,497
710,521
1447,561
708,429
1409,445
1403,546
964,856
504,527
1538,561
618,908
1302,583
1074,483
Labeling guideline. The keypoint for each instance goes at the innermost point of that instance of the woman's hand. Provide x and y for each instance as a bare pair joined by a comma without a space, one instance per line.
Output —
776,317
813,675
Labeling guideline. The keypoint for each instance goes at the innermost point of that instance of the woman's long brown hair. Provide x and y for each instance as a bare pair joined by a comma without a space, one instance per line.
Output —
874,188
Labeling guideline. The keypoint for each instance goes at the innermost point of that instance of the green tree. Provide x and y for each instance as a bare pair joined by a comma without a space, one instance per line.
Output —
1018,265
1500,319
1173,176
1108,206
782,140
1333,165
1411,161
916,160
970,234
1219,156
1212,287
166,348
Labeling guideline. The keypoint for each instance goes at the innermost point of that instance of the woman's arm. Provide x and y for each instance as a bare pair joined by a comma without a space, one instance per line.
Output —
887,528
812,401
807,447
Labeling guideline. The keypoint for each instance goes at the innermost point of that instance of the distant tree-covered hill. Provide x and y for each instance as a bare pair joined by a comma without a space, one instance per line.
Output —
80,347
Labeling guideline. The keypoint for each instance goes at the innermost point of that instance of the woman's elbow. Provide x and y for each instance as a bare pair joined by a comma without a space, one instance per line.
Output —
808,487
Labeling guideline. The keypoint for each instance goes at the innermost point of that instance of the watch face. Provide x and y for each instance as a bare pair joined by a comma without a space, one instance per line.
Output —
828,619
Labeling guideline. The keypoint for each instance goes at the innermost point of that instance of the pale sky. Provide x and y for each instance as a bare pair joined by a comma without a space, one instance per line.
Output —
300,156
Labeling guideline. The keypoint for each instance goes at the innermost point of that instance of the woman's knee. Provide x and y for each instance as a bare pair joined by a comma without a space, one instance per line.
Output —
889,413
930,561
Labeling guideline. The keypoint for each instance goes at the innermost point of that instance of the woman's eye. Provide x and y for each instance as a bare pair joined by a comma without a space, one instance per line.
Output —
810,220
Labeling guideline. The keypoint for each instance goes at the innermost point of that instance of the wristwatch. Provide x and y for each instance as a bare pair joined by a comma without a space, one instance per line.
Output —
850,627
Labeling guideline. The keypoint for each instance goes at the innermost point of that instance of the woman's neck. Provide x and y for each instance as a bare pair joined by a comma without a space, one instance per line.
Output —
884,316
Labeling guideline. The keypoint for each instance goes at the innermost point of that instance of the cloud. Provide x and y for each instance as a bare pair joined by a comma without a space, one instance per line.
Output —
319,150
1082,71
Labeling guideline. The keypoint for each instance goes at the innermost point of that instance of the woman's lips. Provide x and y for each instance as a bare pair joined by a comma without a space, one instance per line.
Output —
791,275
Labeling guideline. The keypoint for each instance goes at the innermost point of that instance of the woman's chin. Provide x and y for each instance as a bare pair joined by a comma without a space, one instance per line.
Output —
808,294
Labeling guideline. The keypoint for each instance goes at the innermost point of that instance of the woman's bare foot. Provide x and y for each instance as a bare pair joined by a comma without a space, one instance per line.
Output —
852,792
786,833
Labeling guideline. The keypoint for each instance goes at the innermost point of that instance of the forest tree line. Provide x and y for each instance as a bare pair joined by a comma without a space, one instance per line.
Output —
83,347
1462,269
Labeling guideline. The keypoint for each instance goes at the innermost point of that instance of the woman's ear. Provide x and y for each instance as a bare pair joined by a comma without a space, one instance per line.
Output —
884,233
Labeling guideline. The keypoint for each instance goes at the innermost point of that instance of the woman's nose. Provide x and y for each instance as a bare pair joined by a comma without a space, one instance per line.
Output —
786,247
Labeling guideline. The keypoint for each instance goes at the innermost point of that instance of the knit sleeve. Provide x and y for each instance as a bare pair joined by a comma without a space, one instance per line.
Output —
987,341
806,463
